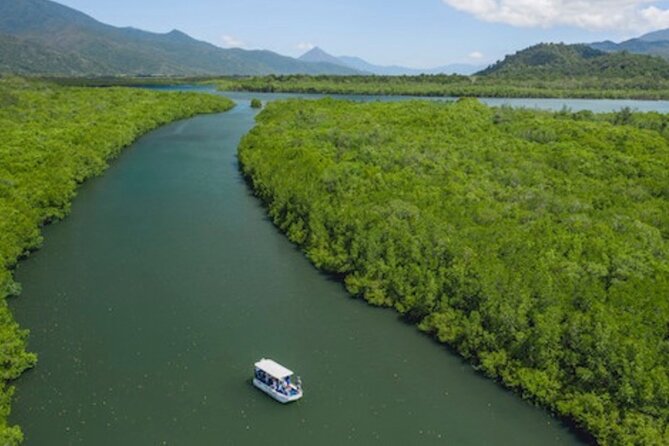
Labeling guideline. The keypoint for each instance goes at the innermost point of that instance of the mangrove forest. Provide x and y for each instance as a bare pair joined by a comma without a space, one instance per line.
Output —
54,138
535,244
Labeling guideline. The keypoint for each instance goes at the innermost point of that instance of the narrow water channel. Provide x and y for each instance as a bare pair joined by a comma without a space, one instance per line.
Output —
149,304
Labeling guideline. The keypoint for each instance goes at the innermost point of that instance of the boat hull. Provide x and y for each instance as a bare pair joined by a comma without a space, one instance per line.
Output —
280,397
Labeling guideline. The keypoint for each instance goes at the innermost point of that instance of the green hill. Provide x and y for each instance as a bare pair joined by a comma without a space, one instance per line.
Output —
551,60
45,37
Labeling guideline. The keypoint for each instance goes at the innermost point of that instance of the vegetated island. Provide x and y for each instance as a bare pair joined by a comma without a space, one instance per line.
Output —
541,71
54,138
534,243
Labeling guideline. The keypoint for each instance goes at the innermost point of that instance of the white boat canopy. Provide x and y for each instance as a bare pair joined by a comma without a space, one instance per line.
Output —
272,368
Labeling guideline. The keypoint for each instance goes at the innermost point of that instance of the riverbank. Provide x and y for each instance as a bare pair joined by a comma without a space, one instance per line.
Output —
155,340
54,138
533,243
445,86
453,86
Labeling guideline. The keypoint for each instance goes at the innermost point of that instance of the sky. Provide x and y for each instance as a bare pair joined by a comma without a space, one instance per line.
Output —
415,33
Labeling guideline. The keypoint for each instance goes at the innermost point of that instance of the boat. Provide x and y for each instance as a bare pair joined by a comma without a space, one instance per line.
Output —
276,381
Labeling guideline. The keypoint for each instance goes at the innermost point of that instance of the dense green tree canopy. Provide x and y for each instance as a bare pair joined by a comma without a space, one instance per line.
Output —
555,60
592,86
534,243
51,139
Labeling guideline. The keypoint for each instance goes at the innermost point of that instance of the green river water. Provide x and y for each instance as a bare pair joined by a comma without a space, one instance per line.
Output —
150,303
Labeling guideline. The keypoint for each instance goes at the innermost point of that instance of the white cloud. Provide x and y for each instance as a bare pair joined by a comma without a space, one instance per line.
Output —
305,46
232,42
625,15
476,55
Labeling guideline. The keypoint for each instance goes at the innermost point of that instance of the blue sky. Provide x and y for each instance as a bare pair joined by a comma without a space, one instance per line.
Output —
418,33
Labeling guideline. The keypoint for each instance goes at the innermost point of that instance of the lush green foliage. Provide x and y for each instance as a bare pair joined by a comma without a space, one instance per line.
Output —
256,103
51,139
555,61
534,243
458,86
128,81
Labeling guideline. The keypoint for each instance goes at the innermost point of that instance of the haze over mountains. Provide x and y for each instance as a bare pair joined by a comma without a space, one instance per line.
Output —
318,55
44,37
655,44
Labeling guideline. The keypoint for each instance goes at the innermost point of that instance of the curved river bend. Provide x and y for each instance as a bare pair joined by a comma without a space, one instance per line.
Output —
149,304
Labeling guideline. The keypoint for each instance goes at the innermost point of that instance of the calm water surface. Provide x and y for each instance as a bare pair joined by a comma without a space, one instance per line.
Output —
595,105
149,304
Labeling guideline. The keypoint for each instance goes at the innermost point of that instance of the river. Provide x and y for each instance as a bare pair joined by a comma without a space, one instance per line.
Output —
149,304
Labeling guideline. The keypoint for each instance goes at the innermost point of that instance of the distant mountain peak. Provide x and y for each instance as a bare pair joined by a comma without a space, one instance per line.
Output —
656,36
317,50
316,54
175,34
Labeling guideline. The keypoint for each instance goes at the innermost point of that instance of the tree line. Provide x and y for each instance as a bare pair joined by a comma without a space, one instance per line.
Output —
592,87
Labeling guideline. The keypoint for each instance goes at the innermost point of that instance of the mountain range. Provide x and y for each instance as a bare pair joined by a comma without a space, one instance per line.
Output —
316,54
654,44
44,37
